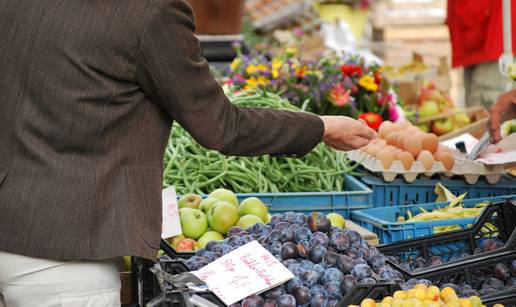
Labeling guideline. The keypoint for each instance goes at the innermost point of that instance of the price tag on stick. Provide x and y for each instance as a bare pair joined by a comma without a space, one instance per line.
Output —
245,271
171,224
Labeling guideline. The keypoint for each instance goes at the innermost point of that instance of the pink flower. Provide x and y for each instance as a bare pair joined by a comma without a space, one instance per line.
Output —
393,113
339,96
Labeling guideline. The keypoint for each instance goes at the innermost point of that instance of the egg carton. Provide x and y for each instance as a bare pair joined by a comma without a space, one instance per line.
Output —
470,170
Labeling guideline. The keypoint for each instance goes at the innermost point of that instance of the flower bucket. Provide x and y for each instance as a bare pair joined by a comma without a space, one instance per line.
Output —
218,17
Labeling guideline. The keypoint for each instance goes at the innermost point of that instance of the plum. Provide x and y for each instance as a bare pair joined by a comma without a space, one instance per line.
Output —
210,256
235,230
286,300
310,278
282,226
319,268
354,238
340,241
346,263
435,260
361,271
347,283
319,238
367,281
275,248
333,290
287,235
288,250
391,275
307,264
253,301
377,262
274,293
318,222
293,284
297,269
299,219
494,283
288,262
302,234
269,303
196,262
317,253
274,236
501,271
275,219
333,303
318,300
332,274
302,295
420,263
288,216
317,289
303,249
331,259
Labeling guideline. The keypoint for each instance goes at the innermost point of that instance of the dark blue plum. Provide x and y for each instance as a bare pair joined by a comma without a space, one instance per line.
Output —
246,239
297,269
275,219
302,295
253,301
196,262
274,293
293,284
340,241
234,241
303,249
409,284
265,229
426,282
367,281
333,303
254,229
377,262
333,290
310,278
318,289
420,263
302,234
299,219
319,268
331,259
281,226
288,250
209,246
287,235
354,238
317,254
288,262
319,238
391,275
275,248
346,264
318,300
226,248
234,230
274,236
318,222
307,264
332,274
361,271
286,300
211,256
270,303
288,216
348,283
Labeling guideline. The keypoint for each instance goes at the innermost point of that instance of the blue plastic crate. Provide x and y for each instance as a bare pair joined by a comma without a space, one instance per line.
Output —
357,196
421,190
383,221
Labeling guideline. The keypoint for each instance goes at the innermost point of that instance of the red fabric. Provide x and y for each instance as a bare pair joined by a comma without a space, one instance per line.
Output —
476,30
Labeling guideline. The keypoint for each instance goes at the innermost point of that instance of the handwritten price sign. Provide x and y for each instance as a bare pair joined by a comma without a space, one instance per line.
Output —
247,270
171,223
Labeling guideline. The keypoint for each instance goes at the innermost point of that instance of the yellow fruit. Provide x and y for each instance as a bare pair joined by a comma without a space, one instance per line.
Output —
453,303
417,303
447,291
396,302
411,293
475,301
432,293
464,302
407,303
387,299
430,303
368,303
498,305
400,295
421,286
420,294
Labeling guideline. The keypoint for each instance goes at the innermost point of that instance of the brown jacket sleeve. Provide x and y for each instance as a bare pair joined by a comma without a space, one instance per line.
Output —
174,75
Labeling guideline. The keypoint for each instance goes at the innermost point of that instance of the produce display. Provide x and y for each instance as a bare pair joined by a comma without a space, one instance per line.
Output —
425,295
193,169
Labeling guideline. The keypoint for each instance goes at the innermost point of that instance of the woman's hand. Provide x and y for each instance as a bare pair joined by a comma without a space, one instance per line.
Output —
504,109
345,133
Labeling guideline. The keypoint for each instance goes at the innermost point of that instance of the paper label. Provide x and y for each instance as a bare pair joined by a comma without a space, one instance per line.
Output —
171,224
245,271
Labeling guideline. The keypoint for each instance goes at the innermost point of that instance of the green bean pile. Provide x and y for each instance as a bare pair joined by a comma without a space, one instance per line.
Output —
194,169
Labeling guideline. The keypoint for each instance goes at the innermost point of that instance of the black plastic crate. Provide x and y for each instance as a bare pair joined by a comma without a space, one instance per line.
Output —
376,292
184,298
497,221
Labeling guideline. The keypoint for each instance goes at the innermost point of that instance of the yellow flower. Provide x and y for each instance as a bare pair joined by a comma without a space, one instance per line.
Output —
275,73
276,64
368,83
261,67
235,64
291,51
257,81
301,71
250,69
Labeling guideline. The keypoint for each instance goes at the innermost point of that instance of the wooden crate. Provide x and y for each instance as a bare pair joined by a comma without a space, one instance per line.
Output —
126,288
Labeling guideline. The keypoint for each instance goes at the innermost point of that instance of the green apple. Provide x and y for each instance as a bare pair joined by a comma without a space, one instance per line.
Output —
194,223
249,220
269,218
222,216
225,195
254,206
189,201
209,236
336,220
443,126
207,203
461,119
173,241
428,108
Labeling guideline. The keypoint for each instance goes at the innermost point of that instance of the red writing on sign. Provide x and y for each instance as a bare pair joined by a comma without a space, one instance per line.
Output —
204,275
253,264
239,281
229,265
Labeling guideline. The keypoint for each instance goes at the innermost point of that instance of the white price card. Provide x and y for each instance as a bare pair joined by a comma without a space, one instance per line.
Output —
245,271
171,224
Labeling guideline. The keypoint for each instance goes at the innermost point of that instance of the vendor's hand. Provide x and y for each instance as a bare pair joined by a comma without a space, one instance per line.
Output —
345,133
504,109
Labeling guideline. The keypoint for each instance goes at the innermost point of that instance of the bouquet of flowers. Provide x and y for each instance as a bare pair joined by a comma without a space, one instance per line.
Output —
325,86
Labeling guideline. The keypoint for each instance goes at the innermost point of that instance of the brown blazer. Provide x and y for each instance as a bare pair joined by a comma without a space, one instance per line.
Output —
88,93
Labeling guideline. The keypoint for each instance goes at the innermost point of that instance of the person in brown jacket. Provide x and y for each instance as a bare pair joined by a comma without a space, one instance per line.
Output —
88,93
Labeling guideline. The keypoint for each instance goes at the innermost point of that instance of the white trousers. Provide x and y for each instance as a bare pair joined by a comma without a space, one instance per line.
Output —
35,282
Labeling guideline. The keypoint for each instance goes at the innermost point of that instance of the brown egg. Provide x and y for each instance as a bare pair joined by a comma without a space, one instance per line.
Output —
406,159
413,144
373,149
443,148
400,139
391,138
413,130
379,142
404,125
384,129
386,157
430,142
426,158
446,158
